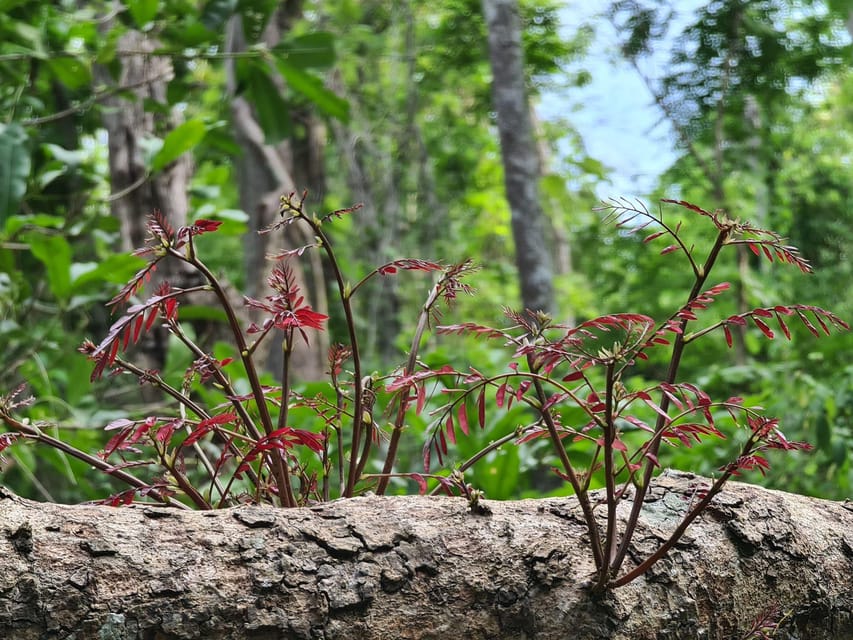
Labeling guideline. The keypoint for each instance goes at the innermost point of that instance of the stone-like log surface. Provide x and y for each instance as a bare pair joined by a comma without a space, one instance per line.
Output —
420,567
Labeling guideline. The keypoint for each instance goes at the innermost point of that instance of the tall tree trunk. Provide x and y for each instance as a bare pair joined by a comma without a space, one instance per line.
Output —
136,194
520,157
264,173
423,568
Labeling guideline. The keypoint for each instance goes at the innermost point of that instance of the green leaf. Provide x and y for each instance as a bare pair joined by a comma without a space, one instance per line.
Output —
180,140
72,72
55,253
255,14
201,312
69,157
272,111
115,269
312,88
16,223
143,11
216,12
14,168
315,50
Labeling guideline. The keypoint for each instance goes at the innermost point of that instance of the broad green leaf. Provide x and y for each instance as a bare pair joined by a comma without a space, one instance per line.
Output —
14,168
55,253
49,176
16,223
7,5
201,312
33,36
272,111
312,88
315,50
71,157
72,72
180,140
143,11
115,269
255,14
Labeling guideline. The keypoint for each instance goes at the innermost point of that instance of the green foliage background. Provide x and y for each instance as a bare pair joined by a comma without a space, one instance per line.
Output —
792,170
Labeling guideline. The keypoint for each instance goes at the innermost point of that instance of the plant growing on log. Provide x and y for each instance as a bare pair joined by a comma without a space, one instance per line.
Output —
242,447
553,366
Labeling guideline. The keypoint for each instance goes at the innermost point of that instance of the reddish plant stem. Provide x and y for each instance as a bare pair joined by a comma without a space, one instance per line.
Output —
580,492
672,374
36,434
278,463
609,482
391,456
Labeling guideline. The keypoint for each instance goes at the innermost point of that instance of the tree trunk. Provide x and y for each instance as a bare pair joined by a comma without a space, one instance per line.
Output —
422,567
520,157
136,193
264,173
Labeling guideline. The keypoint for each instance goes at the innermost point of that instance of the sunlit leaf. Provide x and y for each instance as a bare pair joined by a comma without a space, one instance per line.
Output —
315,50
312,88
143,11
55,253
181,139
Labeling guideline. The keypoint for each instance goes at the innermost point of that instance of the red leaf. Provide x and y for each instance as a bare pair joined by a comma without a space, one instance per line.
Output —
728,333
617,444
442,440
654,235
165,433
638,423
152,316
313,441
451,432
137,327
409,264
574,375
653,458
114,352
121,423
204,226
421,392
764,328
808,324
754,248
670,249
427,455
481,408
499,395
783,327
422,485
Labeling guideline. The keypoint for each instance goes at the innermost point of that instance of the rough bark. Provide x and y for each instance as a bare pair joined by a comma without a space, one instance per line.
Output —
519,153
421,567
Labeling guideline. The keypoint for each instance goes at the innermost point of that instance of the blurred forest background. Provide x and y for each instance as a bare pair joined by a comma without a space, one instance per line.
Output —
213,109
